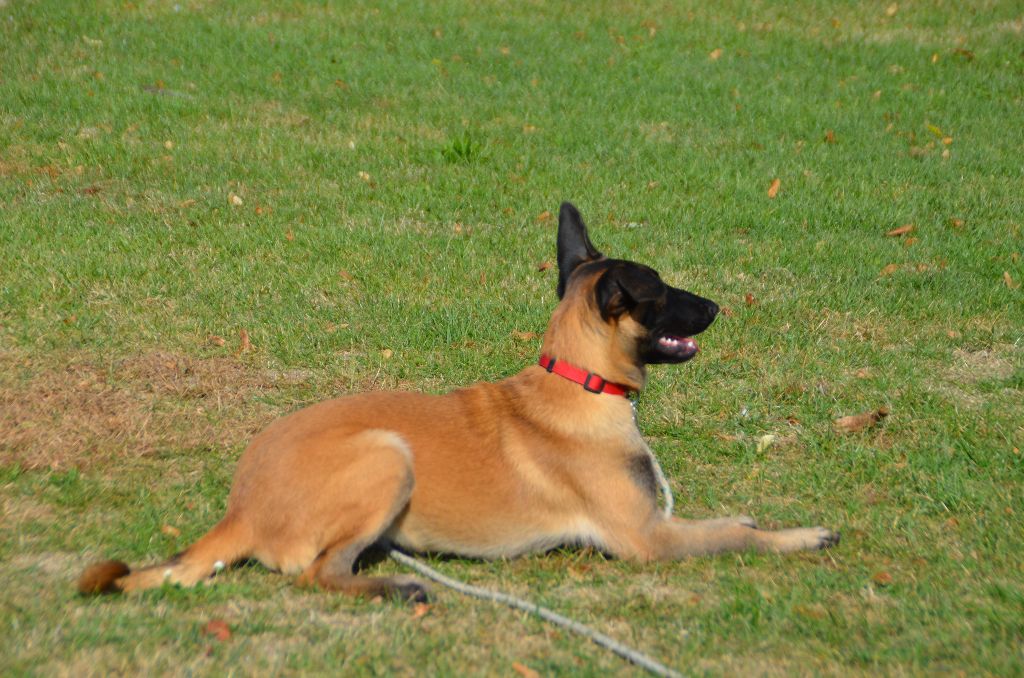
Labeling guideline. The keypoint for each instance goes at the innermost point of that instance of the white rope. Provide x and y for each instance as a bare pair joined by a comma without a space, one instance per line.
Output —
601,639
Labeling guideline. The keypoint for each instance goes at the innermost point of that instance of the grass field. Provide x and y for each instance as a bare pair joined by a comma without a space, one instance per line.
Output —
366,189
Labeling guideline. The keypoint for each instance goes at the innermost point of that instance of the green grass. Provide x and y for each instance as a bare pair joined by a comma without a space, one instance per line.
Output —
394,162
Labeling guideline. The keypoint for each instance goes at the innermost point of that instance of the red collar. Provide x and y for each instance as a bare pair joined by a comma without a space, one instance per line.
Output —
594,383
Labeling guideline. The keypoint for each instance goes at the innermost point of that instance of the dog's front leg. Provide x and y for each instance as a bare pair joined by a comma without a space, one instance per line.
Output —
673,539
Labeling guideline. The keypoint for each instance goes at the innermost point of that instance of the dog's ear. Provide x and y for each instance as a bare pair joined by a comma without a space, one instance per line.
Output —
574,246
625,287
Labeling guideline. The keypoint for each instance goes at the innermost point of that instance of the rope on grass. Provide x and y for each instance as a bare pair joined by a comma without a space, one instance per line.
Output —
627,653
601,639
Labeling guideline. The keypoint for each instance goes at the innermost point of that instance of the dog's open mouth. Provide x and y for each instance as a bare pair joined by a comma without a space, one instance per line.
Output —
678,348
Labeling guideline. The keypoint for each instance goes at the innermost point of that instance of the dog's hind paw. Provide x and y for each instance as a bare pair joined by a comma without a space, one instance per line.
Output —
409,590
412,593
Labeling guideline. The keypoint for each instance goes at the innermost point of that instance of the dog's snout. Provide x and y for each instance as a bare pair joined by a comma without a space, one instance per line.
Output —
711,310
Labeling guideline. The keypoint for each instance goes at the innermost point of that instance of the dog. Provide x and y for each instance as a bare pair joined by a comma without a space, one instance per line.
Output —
551,456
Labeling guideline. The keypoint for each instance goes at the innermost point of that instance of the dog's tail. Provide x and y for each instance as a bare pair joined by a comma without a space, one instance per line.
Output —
228,542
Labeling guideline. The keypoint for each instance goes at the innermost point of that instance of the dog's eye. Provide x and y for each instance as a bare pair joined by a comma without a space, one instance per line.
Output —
646,313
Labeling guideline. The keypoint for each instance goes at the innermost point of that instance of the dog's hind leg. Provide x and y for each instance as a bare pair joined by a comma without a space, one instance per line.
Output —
228,541
378,488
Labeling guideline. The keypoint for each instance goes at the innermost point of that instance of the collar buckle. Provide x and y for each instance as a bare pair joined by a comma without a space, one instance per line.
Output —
594,389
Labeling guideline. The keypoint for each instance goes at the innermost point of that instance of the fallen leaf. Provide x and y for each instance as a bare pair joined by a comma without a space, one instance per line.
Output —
289,235
935,130
344,275
726,311
365,176
956,223
170,530
169,144
830,137
524,336
715,54
234,200
859,422
953,334
909,241
544,265
420,610
935,58
773,190
749,298
882,578
889,270
218,628
766,441
387,353
902,230
946,141
524,670
892,9
215,340
863,373
91,190
244,344
544,216
1008,279
184,204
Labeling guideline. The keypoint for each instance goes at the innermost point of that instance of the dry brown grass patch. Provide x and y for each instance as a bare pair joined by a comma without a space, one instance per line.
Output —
76,411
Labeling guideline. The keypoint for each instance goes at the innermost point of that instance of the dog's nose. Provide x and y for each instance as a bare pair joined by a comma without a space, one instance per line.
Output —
711,310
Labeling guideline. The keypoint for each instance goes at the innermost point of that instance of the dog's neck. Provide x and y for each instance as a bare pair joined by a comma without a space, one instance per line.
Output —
593,349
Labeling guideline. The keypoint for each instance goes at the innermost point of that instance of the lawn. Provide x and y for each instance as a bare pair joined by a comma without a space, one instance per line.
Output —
365,190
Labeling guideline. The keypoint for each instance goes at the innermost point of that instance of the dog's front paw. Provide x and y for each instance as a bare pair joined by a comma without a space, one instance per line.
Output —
800,539
745,521
827,538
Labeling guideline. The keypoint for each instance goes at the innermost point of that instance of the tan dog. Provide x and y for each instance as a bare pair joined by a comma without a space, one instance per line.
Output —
547,457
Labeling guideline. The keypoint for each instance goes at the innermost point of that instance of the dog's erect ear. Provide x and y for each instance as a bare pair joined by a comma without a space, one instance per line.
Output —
574,246
626,286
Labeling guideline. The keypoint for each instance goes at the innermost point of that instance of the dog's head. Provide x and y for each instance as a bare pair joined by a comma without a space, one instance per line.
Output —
648,320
